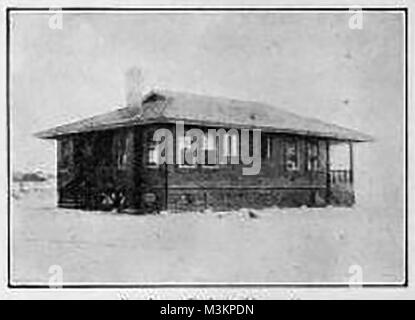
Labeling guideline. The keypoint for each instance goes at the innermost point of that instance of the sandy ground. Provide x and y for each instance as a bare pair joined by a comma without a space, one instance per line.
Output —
281,245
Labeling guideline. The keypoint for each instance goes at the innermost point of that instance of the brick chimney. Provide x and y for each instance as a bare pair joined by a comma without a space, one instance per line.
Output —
133,88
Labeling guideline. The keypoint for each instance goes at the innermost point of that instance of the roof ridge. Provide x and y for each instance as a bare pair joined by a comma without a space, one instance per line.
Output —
203,95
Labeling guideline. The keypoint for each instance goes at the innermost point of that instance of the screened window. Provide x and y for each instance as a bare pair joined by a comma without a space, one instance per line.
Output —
209,147
184,145
312,156
153,156
230,145
121,151
292,156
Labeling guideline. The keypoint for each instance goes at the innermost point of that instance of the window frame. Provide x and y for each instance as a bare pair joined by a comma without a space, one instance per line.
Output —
185,145
151,147
266,148
315,165
295,143
207,148
121,151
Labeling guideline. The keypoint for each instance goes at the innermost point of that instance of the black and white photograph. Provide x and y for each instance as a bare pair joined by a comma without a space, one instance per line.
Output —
246,147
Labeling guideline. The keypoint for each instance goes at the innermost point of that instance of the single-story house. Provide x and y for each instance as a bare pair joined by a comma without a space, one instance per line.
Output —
108,160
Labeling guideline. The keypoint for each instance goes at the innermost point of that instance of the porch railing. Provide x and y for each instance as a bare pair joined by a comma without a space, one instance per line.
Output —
341,176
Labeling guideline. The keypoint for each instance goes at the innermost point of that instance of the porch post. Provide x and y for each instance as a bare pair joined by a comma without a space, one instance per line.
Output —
166,186
328,178
351,162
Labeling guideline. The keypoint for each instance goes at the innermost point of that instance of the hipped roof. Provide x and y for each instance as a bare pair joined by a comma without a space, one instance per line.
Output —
161,106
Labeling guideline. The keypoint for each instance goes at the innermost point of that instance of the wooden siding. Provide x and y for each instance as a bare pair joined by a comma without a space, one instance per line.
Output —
224,186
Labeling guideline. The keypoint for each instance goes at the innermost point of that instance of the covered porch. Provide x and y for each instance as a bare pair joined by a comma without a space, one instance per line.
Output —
340,173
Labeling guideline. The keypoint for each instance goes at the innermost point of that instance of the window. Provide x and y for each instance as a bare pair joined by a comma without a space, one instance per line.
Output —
120,151
266,147
158,151
230,145
312,156
221,147
153,156
247,143
185,144
230,148
209,146
291,156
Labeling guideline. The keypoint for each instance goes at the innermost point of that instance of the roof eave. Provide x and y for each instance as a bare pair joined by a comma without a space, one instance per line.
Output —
53,134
